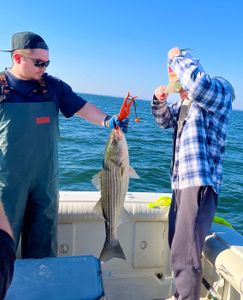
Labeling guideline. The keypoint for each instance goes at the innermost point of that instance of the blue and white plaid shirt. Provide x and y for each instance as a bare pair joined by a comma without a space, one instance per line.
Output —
200,144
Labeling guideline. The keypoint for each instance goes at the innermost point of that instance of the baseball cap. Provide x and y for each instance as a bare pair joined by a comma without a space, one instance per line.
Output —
27,40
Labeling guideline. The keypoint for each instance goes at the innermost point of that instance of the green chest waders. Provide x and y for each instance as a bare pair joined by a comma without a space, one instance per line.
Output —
29,174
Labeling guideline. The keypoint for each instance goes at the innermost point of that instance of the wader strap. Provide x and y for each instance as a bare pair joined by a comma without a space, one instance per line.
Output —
4,87
44,88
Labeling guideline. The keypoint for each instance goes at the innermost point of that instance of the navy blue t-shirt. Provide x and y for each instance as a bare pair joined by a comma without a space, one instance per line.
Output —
66,100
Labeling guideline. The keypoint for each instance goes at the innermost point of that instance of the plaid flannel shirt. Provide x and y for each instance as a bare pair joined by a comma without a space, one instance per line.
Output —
200,144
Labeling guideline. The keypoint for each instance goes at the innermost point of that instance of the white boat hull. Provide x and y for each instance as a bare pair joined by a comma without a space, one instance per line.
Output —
146,273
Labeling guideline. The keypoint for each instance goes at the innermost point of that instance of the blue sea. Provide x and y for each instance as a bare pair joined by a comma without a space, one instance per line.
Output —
82,146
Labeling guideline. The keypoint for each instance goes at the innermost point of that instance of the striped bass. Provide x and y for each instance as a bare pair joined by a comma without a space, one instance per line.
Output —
113,181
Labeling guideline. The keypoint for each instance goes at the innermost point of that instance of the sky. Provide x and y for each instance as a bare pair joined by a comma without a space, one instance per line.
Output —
110,47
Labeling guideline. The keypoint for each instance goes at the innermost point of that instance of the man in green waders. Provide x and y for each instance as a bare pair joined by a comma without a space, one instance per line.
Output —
30,101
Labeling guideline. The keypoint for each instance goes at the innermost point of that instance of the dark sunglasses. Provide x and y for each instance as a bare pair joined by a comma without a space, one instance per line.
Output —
38,63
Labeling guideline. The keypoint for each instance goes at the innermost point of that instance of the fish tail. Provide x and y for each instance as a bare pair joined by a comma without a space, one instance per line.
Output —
110,250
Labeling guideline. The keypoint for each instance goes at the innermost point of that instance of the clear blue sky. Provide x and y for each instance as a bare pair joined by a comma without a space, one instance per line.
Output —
109,47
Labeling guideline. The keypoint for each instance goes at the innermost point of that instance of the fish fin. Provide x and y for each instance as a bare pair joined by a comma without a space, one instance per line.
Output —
96,180
110,250
132,173
98,210
124,218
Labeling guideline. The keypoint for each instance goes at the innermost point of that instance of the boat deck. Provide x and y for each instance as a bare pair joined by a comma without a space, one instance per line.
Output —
139,288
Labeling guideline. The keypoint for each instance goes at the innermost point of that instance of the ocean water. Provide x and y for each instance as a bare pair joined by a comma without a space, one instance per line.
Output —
82,146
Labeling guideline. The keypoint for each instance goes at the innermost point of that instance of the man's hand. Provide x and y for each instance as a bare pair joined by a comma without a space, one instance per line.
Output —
174,52
112,122
161,93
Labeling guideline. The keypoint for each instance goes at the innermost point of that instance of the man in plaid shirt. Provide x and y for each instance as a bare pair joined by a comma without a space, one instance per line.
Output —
199,121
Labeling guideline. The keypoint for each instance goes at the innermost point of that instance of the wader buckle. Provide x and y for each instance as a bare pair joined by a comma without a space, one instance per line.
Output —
4,87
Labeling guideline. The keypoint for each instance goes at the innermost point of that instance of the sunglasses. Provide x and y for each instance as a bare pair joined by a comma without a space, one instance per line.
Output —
38,63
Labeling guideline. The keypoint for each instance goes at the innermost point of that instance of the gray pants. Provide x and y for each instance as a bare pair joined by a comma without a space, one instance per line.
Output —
190,218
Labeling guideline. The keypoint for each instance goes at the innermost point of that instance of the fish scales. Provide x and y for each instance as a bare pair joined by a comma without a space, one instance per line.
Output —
113,181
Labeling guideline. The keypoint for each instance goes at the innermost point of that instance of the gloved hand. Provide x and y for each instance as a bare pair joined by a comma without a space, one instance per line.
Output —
112,122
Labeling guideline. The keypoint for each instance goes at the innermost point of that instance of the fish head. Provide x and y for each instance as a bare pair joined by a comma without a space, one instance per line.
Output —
116,148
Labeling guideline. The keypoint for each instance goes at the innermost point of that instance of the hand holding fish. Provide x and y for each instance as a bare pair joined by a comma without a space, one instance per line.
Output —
114,121
161,93
121,120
